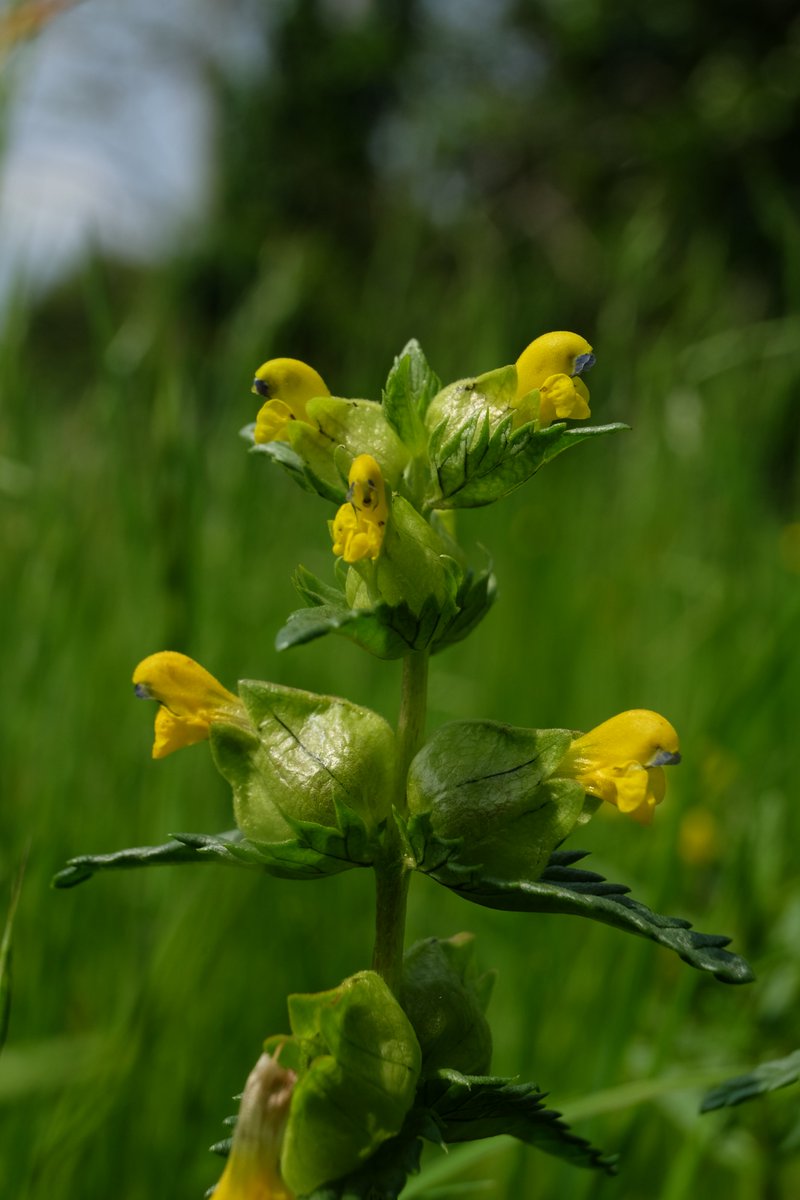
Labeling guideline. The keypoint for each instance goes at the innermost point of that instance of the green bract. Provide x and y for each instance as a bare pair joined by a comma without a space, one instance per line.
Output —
360,1062
410,387
386,630
483,444
487,787
313,762
445,999
483,460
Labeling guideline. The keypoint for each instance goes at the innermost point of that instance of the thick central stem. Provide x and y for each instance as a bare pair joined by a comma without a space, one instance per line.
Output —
391,872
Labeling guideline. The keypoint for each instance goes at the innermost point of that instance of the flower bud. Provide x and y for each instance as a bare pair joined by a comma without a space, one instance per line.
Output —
445,998
252,1171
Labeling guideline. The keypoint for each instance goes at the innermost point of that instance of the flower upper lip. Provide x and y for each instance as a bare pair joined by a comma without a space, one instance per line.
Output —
584,362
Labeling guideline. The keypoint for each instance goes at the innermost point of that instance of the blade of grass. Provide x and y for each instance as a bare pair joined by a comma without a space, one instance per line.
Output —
6,954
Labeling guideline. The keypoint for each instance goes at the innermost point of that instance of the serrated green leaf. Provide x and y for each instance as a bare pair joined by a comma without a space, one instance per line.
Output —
477,447
768,1077
474,598
385,631
468,1108
410,387
187,848
451,463
314,853
473,470
315,591
367,629
423,381
314,850
565,889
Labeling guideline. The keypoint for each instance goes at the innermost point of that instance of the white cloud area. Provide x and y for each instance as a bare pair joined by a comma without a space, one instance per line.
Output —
109,131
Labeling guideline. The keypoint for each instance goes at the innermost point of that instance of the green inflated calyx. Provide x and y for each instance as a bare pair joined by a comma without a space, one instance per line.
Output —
490,394
488,788
413,569
354,425
362,1064
309,758
445,999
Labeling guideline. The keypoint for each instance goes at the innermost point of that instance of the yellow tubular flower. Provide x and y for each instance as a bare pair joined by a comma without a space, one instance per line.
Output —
553,364
622,761
359,525
191,699
287,385
252,1171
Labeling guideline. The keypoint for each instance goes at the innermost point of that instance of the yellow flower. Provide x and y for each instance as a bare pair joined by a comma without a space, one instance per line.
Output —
552,364
359,525
190,699
252,1171
286,384
623,761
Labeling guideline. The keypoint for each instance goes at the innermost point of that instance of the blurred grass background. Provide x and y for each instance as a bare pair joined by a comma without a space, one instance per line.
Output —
422,169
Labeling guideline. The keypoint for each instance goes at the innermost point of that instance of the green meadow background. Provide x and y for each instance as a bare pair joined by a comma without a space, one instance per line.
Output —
628,176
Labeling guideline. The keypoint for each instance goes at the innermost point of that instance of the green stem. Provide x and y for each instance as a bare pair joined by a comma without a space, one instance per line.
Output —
392,874
411,721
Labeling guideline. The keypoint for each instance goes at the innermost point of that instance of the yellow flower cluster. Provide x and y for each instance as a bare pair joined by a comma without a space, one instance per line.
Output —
622,761
359,526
